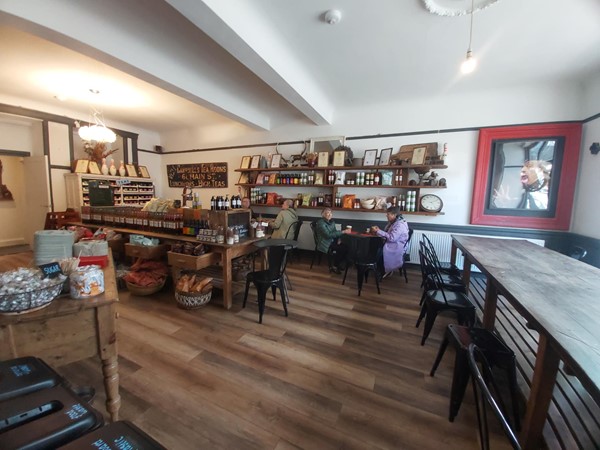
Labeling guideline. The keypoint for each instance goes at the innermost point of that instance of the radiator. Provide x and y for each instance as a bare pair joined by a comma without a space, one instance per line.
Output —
443,245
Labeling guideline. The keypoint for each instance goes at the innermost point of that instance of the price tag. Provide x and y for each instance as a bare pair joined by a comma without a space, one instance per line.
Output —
122,181
50,270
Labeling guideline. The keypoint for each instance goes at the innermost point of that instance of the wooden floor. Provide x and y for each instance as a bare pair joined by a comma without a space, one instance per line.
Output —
340,372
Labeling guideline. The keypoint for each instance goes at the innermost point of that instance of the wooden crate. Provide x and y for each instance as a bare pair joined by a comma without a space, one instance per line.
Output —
191,262
229,218
146,252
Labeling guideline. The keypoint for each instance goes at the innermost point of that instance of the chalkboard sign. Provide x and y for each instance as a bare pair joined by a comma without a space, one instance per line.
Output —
203,175
50,270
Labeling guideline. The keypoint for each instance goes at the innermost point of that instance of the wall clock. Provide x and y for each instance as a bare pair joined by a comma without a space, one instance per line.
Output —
430,203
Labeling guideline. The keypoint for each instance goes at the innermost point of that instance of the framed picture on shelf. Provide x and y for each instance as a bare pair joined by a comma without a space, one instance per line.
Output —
245,162
275,160
255,163
370,157
144,172
81,165
418,156
243,178
338,158
323,160
384,157
94,168
131,172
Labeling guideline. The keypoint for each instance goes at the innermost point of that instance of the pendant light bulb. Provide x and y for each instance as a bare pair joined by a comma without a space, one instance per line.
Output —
469,64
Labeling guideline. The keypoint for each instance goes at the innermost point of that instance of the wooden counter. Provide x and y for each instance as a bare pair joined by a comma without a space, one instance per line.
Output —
70,330
226,253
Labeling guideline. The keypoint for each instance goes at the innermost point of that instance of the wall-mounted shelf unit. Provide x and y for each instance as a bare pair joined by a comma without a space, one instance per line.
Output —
337,181
137,192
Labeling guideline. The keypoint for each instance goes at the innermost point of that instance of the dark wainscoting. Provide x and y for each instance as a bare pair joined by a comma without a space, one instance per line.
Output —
560,241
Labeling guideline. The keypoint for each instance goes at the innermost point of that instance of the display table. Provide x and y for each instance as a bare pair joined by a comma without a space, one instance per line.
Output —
226,253
70,330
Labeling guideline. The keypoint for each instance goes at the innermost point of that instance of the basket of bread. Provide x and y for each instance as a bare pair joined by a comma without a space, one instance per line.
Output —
193,291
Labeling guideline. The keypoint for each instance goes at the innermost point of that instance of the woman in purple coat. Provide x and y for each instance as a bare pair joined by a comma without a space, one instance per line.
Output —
395,235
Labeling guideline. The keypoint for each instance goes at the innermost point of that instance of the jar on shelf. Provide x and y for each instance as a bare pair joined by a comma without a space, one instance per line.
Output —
230,240
220,235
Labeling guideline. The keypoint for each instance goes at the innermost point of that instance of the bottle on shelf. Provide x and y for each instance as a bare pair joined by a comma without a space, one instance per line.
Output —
226,203
213,203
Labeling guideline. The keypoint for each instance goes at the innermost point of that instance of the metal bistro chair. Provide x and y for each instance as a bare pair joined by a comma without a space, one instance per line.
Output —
406,256
497,353
316,253
273,277
439,299
445,267
363,252
482,381
428,274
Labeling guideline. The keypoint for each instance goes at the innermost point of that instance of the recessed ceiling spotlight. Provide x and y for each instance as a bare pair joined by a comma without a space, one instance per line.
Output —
60,97
333,16
94,91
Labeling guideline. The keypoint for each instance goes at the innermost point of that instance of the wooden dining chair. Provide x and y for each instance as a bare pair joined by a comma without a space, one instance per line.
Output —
440,299
485,391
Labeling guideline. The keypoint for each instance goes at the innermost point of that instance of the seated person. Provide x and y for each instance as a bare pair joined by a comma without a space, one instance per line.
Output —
395,235
284,221
328,240
246,205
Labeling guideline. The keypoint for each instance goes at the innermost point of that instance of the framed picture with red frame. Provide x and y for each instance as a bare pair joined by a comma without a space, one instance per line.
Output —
525,176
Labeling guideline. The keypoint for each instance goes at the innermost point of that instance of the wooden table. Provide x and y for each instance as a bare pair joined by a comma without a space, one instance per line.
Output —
560,298
70,330
226,253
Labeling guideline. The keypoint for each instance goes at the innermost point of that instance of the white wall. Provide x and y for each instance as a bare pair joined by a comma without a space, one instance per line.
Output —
11,211
523,104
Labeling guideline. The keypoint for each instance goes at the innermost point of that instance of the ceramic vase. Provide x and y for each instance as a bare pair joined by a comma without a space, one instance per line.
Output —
122,170
104,169
112,169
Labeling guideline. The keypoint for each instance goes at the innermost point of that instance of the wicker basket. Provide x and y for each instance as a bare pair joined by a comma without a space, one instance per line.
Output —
30,300
192,300
144,290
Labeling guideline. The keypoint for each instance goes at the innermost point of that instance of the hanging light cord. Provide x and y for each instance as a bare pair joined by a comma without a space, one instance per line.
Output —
471,29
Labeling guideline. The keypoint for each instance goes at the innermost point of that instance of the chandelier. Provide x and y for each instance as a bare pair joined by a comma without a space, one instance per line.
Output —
97,131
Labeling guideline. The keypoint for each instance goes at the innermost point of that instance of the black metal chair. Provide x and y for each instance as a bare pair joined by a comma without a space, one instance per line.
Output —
440,299
497,353
273,278
576,252
363,253
428,272
444,267
483,381
406,256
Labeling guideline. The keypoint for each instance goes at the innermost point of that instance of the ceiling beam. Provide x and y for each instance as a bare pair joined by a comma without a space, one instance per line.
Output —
240,30
158,46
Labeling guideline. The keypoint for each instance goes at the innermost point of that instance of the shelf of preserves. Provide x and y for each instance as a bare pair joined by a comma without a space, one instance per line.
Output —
336,181
137,192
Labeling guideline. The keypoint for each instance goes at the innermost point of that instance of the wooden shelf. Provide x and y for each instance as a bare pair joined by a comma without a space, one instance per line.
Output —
342,186
345,168
334,208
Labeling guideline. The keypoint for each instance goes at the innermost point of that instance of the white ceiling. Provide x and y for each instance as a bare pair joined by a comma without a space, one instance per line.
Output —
175,64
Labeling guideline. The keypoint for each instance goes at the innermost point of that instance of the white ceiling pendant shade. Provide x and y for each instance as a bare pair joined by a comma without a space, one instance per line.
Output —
97,131
456,7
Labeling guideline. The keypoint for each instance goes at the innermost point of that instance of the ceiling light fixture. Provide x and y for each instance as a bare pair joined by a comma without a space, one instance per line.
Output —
333,16
470,62
97,132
